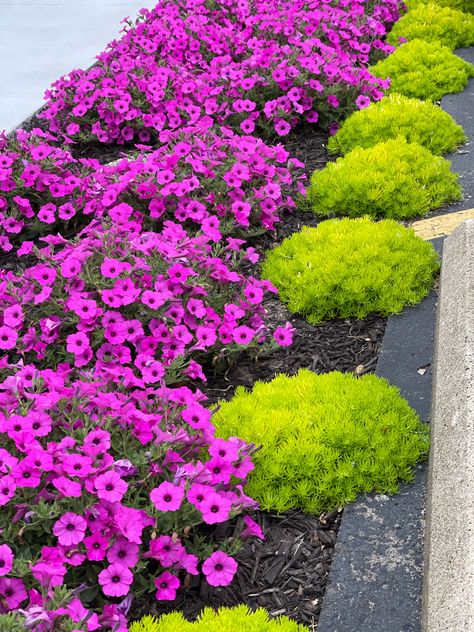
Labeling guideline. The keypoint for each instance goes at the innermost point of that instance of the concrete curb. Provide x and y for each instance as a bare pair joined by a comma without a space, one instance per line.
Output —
448,594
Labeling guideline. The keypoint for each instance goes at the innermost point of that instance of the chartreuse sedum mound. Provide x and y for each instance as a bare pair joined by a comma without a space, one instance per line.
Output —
461,5
393,179
325,438
351,268
424,70
237,619
432,23
397,116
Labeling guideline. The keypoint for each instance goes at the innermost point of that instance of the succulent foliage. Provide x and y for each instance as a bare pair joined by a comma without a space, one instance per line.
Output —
324,438
351,268
461,5
432,23
238,619
396,116
395,179
424,70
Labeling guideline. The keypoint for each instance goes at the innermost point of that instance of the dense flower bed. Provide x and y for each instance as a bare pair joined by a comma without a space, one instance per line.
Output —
268,64
41,186
139,307
111,479
103,491
213,182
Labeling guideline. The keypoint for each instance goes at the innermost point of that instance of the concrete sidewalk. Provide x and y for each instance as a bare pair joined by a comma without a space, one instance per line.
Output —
40,40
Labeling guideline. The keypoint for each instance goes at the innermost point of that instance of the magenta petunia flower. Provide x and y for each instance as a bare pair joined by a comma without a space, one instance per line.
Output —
219,569
77,465
115,580
7,489
251,529
282,128
220,468
7,461
243,467
68,488
153,372
8,337
153,300
196,416
123,552
41,423
243,335
49,574
167,497
26,475
228,450
112,268
70,529
253,294
284,335
77,343
6,559
166,550
12,316
215,508
96,442
71,267
110,486
206,336
362,102
84,308
197,494
167,585
13,590
96,547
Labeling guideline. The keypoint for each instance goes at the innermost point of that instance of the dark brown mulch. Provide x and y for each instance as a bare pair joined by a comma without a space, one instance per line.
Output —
286,573
308,144
339,345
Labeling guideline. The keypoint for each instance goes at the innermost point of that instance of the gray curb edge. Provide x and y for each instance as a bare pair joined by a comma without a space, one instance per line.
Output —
448,594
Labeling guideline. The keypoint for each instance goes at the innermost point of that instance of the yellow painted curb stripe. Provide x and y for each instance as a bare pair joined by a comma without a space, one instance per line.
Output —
442,225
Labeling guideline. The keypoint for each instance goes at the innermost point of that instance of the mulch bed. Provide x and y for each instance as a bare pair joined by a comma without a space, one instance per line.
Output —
286,573
339,345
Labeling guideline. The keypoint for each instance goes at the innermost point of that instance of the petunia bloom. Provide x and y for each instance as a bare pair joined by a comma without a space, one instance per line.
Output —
70,529
110,486
167,585
6,559
219,569
115,580
167,497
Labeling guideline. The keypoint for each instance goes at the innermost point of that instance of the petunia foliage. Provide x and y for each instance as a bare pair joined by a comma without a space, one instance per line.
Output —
264,66
42,187
106,491
143,307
